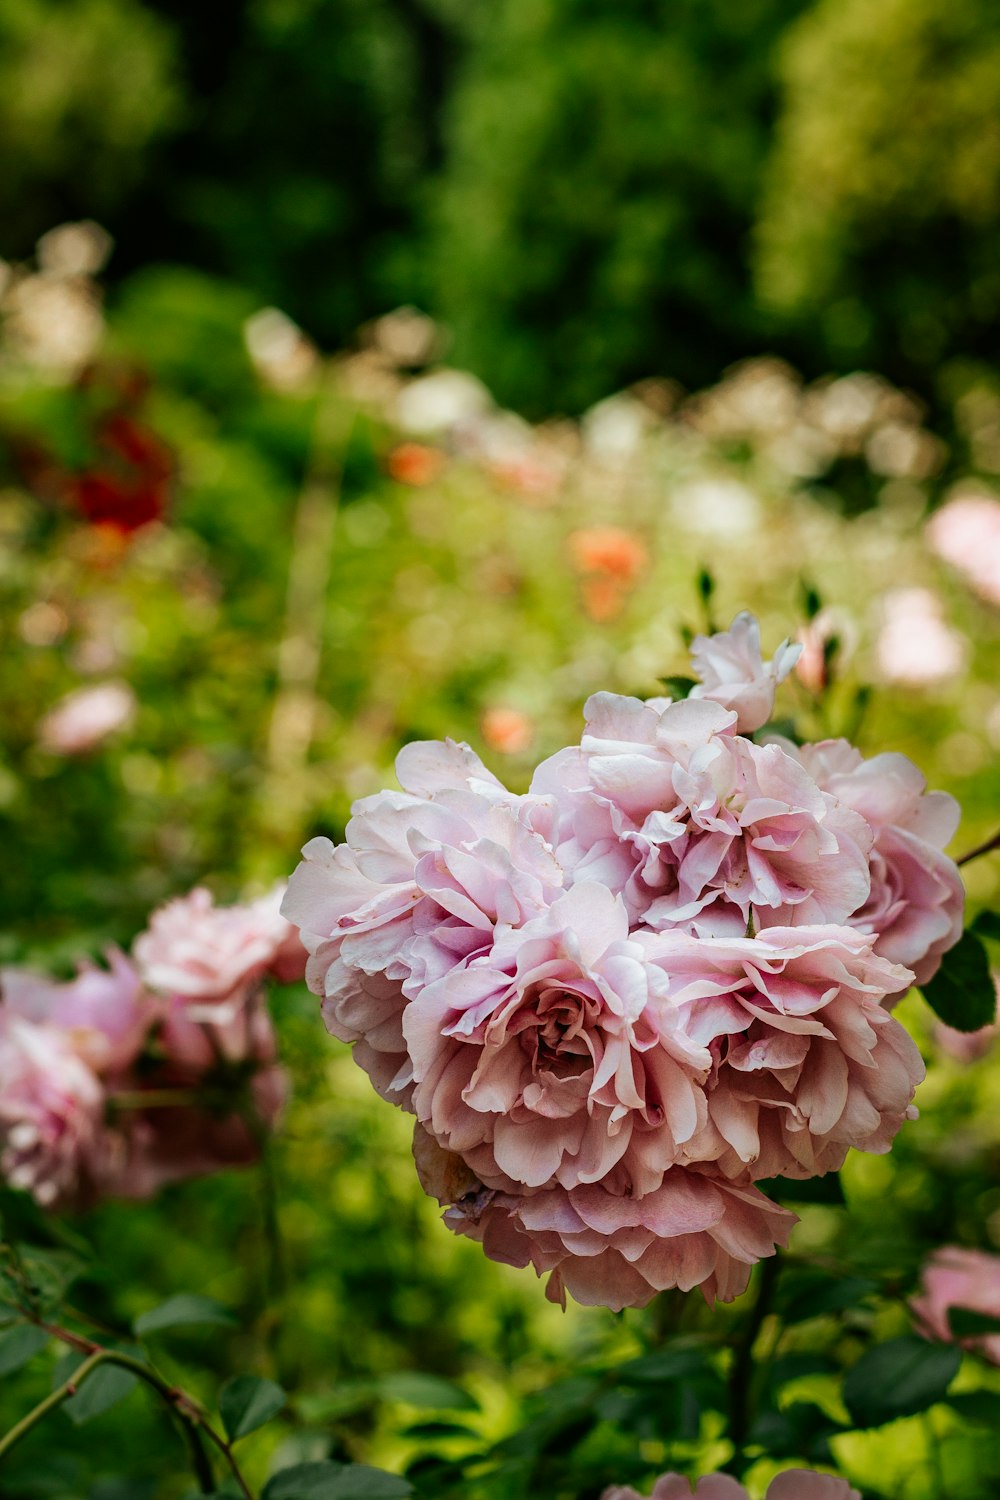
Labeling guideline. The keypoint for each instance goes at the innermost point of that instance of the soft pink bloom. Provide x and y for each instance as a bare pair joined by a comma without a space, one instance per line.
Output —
793,1484
424,878
86,717
915,645
966,533
53,1142
806,1061
612,1251
965,1046
960,1278
734,673
555,1057
207,953
106,1012
691,822
917,901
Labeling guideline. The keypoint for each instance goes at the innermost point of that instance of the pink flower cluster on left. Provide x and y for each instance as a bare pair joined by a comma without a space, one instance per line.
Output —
162,1065
617,1002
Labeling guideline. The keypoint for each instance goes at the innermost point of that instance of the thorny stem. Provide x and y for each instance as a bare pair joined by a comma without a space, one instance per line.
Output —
986,848
194,1423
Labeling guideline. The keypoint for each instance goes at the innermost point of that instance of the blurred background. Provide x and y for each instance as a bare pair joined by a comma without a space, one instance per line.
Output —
383,369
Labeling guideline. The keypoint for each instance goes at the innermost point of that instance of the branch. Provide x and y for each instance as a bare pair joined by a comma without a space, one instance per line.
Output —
194,1423
987,848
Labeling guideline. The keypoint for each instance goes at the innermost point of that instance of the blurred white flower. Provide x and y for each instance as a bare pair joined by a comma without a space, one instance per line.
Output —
69,250
614,429
716,507
282,355
86,717
434,403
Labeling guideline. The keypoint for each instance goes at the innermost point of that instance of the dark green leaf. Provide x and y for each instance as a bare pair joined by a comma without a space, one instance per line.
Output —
898,1379
825,1189
185,1310
678,687
18,1345
814,1294
108,1385
705,584
811,601
430,1392
333,1481
966,1322
659,1369
981,1408
49,1273
987,925
248,1401
801,1428
962,992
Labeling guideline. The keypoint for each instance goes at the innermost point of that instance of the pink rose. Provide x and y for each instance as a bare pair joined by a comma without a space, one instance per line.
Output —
793,1484
734,673
694,824
806,1061
612,1251
555,1057
960,1278
966,533
424,878
53,1142
917,901
85,718
206,952
106,1011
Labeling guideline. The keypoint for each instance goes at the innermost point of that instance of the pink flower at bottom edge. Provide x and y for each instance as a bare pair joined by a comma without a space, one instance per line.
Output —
793,1484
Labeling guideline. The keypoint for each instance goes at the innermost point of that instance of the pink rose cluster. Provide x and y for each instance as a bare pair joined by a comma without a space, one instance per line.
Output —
160,1066
618,1001
793,1484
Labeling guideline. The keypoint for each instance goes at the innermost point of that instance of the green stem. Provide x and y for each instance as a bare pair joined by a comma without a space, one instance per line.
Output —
184,1407
740,1374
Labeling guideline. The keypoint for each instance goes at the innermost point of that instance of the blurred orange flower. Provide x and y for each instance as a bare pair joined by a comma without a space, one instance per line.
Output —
414,463
507,730
609,550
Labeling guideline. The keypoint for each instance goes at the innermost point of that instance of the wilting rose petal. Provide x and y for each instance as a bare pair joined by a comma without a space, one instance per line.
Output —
953,1277
611,1251
734,673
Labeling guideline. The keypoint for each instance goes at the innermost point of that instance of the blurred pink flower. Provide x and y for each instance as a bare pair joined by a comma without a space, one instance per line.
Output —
613,1251
916,905
734,673
53,1142
793,1484
915,645
966,1046
105,1012
953,1277
966,533
208,953
806,1062
85,718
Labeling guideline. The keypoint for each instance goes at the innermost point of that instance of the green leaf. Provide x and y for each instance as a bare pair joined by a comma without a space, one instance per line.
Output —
185,1310
980,1408
987,925
814,1294
660,1369
962,992
49,1274
825,1189
246,1402
966,1322
20,1344
678,687
333,1481
899,1379
108,1385
429,1392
